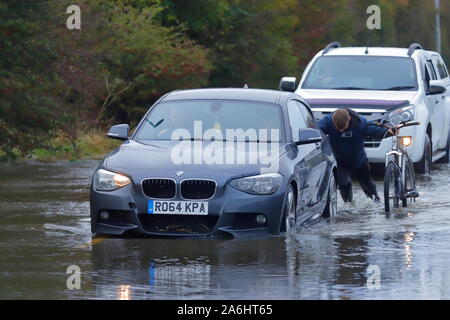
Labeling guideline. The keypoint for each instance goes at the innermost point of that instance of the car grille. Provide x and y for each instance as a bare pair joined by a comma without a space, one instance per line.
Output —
372,143
198,189
159,188
178,224
368,143
370,116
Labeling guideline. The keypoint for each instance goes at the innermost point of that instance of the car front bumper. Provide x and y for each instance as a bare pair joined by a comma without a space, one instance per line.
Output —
231,212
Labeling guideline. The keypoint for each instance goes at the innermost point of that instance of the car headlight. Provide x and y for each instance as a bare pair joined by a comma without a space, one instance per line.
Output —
401,115
406,141
109,181
262,184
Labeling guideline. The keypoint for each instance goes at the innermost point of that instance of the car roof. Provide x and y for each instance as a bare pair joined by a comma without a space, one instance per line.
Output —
372,51
259,95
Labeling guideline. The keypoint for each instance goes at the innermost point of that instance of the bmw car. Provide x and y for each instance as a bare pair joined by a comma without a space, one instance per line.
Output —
209,162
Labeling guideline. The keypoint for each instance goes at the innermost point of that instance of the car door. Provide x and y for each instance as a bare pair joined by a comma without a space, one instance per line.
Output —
433,102
318,161
442,125
302,169
311,157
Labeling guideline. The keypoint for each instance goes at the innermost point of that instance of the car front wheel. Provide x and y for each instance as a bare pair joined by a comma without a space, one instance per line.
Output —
331,206
424,165
446,158
288,219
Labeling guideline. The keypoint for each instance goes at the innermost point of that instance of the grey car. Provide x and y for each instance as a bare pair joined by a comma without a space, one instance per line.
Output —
210,162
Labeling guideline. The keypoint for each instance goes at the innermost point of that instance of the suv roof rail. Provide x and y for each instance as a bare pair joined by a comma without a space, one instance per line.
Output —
414,47
332,45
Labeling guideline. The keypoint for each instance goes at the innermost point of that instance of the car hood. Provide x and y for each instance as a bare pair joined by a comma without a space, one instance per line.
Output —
154,159
358,98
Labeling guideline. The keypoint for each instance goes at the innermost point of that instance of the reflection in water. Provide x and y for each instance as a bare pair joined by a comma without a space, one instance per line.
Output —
408,238
179,275
190,268
123,292
351,261
45,228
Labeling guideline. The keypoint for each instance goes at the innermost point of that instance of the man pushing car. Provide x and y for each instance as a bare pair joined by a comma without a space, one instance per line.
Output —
347,131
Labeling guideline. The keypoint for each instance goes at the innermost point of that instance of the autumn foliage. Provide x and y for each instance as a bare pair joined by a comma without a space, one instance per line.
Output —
55,81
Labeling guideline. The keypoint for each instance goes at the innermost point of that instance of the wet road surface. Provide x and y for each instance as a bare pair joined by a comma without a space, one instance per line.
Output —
45,228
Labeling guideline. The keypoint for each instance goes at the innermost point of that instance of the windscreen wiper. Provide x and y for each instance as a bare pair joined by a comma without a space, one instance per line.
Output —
349,88
225,140
400,88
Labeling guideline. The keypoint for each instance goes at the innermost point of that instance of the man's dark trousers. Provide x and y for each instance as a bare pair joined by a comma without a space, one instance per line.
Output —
362,174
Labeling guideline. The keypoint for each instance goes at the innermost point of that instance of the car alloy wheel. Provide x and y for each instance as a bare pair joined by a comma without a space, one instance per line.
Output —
330,210
333,197
290,213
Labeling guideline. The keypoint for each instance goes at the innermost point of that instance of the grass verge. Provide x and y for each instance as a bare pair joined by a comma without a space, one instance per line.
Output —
90,144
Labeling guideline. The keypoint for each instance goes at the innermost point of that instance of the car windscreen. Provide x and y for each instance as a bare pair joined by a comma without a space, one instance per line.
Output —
362,73
195,118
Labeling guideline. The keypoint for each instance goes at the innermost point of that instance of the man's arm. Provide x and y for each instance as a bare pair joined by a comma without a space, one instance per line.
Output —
324,125
374,131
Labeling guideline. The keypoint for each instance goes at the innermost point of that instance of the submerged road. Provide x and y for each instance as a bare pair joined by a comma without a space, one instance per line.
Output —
45,227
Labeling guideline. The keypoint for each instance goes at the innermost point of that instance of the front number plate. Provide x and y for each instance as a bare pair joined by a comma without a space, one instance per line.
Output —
177,207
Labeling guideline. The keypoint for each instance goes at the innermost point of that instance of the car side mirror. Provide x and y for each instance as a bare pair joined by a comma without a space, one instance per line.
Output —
119,132
308,136
288,84
436,87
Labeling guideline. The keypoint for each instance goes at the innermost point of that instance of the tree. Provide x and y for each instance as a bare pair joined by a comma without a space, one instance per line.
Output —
144,60
28,113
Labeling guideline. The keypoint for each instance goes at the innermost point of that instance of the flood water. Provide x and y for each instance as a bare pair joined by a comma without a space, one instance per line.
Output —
45,228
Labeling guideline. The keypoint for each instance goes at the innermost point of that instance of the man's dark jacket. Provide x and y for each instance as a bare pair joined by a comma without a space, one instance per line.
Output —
348,146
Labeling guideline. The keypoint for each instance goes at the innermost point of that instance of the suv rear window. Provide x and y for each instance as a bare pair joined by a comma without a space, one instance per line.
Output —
362,73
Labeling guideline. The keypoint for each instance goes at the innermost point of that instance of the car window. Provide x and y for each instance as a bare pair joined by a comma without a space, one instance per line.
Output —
427,78
362,73
220,115
431,70
441,68
307,115
296,119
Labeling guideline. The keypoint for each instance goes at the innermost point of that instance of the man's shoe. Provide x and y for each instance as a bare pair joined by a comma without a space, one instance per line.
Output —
377,199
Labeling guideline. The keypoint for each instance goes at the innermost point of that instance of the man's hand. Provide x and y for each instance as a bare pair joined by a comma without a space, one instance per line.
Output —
393,131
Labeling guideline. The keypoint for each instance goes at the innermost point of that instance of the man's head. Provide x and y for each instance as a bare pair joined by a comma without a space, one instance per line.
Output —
341,120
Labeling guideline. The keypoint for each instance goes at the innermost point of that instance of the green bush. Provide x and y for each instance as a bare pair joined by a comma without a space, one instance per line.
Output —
143,60
28,113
